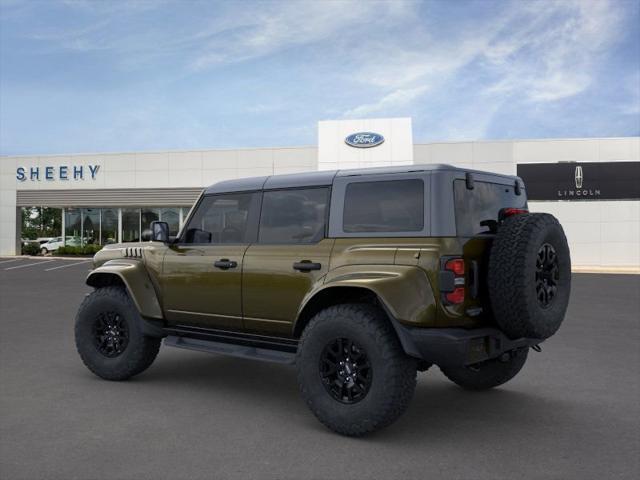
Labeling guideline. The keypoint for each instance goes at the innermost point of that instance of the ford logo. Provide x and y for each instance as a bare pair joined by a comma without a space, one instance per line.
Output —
364,139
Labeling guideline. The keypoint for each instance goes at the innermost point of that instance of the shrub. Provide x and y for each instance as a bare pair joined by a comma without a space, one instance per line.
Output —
31,249
84,250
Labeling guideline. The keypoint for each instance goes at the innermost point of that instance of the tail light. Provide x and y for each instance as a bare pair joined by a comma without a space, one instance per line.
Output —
455,265
510,212
456,297
452,280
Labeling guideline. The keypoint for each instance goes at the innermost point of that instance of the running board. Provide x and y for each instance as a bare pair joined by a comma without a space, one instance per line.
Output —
242,351
238,344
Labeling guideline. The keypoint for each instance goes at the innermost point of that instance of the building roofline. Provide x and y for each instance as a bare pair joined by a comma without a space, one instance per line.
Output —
203,150
150,152
517,140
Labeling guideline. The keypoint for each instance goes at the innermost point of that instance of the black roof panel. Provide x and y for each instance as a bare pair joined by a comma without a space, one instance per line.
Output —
319,178
237,185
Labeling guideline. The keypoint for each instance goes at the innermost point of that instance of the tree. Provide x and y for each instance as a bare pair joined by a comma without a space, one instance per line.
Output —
41,222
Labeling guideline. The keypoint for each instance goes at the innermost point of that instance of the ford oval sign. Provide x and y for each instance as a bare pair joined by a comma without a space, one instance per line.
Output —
364,139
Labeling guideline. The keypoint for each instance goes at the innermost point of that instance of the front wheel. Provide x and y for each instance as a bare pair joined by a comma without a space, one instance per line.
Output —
44,251
488,374
108,335
352,371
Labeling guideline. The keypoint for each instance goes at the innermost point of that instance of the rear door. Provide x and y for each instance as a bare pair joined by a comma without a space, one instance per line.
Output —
290,256
202,272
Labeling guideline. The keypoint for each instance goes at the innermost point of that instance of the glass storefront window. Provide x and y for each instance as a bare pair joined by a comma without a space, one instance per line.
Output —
130,224
109,226
72,226
172,217
90,226
85,226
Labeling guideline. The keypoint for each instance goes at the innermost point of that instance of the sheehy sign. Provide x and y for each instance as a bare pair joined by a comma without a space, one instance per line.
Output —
61,172
581,180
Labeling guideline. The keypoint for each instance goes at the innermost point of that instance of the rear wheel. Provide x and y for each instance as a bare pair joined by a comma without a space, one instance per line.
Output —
488,374
44,251
352,371
108,335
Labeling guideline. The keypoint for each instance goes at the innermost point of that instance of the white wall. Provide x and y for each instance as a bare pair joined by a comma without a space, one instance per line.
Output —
334,153
7,207
603,233
198,168
600,233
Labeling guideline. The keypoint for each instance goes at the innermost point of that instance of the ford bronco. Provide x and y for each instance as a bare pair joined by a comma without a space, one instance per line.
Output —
360,278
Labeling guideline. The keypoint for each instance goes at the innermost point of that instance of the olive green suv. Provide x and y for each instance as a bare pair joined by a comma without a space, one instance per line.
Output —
360,278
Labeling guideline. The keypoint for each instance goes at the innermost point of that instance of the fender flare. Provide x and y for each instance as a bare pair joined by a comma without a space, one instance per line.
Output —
134,277
404,292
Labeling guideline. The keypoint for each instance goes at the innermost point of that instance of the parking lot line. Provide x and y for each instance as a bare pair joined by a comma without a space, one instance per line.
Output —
30,264
65,266
9,261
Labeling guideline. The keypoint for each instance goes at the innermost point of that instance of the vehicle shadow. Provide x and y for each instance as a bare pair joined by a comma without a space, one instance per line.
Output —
439,408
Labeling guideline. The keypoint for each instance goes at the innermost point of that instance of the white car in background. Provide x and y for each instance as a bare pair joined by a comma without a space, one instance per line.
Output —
57,242
52,245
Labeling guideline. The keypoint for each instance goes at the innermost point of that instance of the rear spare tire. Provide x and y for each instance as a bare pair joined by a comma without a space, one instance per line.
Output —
529,276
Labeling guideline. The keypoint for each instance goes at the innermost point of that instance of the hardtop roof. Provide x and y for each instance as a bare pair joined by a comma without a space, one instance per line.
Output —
326,177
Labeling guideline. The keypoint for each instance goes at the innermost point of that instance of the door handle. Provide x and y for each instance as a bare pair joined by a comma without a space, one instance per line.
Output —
306,266
225,264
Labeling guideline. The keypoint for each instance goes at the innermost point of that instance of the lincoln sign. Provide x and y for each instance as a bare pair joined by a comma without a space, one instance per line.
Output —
581,180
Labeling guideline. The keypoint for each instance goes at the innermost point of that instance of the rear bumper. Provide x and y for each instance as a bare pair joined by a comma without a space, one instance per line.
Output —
458,346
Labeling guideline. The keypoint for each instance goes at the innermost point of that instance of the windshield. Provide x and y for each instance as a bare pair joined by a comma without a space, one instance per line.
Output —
482,203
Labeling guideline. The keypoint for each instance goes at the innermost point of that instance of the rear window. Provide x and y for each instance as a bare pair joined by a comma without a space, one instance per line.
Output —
384,206
482,203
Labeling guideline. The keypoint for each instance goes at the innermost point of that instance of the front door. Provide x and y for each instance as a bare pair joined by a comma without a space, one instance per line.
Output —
289,259
202,271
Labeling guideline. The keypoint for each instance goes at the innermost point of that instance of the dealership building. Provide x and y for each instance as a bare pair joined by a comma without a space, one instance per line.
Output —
591,184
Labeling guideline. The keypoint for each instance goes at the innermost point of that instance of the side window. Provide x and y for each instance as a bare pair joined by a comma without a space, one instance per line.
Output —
384,206
228,218
293,216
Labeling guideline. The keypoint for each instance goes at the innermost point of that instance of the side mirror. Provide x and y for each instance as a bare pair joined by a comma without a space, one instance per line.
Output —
160,232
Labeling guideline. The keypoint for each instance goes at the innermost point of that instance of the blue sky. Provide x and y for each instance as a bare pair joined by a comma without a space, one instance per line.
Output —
84,76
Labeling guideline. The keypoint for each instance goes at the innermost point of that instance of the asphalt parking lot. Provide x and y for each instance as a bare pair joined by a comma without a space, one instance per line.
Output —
573,412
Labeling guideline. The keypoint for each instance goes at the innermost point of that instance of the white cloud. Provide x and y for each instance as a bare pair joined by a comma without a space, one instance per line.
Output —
536,51
551,55
276,26
395,99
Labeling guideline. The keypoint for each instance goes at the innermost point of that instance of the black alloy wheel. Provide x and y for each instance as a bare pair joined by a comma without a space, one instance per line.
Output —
547,275
110,334
345,370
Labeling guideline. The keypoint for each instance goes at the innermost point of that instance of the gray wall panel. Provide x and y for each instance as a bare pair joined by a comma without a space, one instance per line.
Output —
113,197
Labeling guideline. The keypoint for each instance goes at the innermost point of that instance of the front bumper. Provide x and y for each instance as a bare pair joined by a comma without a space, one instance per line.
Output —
452,347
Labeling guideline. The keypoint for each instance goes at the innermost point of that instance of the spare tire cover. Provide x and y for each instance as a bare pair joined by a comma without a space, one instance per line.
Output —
529,276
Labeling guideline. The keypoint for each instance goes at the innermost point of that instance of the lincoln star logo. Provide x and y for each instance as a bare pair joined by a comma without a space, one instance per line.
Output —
364,139
579,177
580,191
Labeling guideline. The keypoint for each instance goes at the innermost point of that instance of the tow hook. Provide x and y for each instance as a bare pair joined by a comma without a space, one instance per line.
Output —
536,348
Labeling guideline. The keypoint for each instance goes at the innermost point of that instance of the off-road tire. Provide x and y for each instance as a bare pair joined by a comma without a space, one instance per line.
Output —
140,351
512,276
488,374
393,373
